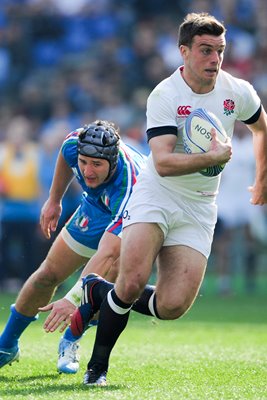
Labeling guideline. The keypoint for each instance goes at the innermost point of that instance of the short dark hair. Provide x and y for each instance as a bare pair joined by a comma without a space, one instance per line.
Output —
198,24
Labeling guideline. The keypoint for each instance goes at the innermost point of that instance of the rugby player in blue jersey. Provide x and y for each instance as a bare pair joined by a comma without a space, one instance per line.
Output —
106,169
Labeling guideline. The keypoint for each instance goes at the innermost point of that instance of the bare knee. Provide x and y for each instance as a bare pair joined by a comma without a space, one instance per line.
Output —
45,277
170,310
37,290
128,290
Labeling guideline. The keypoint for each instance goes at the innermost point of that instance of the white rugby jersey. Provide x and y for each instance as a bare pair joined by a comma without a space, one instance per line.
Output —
172,101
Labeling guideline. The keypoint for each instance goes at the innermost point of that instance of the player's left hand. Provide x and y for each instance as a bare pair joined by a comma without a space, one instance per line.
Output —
221,151
258,195
60,315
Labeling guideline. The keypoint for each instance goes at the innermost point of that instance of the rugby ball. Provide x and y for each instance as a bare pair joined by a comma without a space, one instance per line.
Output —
197,135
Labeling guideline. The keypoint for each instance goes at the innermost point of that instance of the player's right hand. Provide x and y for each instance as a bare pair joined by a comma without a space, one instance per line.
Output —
60,315
49,217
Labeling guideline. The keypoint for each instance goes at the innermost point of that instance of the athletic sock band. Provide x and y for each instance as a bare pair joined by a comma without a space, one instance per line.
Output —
153,306
22,317
118,306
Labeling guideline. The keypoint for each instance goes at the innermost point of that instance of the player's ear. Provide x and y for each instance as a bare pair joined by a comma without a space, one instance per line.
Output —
183,50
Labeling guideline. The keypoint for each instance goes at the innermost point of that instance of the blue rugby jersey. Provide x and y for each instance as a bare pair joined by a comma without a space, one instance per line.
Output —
112,196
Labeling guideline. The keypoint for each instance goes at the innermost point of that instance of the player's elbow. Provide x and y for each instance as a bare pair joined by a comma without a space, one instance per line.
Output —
161,169
162,172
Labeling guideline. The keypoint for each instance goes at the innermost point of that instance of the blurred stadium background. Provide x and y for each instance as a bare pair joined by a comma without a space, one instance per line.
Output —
64,63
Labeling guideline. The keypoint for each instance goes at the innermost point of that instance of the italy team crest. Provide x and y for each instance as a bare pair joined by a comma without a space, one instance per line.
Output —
82,223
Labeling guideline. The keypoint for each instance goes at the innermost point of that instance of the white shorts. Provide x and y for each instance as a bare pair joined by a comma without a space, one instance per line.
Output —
183,221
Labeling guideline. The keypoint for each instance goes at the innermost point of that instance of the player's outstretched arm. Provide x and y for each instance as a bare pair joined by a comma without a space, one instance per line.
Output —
259,189
60,315
52,208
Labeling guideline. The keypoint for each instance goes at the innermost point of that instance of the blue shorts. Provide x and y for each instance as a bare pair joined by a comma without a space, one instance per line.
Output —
85,228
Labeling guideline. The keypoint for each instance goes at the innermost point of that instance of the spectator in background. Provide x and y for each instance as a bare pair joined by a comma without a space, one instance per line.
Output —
54,40
234,242
259,227
20,203
134,136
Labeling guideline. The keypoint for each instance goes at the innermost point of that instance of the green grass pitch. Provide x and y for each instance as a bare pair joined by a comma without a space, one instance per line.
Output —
218,350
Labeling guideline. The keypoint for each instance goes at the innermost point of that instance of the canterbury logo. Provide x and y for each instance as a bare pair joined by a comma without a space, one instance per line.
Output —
183,111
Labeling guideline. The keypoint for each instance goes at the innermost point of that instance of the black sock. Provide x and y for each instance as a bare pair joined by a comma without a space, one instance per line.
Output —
113,318
100,291
146,304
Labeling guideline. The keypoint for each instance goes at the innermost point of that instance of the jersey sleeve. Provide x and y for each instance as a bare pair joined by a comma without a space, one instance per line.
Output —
69,148
160,109
250,102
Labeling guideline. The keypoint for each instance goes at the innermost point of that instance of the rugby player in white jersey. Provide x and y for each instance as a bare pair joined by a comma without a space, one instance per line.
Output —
172,212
